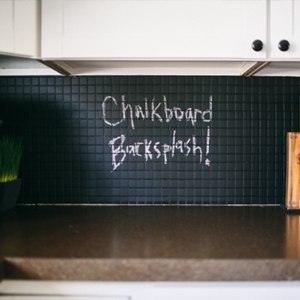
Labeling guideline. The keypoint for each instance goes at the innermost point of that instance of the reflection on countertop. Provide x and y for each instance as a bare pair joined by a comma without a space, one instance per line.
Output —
292,236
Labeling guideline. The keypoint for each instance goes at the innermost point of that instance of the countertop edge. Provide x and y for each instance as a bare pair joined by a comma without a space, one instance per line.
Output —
149,269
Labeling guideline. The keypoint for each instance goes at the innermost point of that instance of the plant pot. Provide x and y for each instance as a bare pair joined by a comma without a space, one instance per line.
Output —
9,192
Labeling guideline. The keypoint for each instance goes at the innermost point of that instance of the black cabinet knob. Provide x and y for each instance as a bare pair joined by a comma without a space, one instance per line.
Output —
283,45
257,45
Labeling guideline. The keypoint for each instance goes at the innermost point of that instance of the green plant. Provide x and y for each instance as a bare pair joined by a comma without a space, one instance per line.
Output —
10,158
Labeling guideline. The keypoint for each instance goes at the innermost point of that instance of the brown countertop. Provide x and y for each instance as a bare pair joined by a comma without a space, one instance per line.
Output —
150,243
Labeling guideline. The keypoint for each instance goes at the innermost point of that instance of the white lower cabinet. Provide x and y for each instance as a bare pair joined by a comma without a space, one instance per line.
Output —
52,290
62,298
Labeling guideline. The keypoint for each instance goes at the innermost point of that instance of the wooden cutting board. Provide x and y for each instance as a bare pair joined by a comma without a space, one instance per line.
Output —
292,198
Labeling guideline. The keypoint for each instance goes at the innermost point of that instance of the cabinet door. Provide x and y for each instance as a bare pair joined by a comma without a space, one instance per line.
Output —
167,29
20,27
285,25
6,26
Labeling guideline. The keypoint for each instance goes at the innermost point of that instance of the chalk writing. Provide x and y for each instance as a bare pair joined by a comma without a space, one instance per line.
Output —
149,149
156,111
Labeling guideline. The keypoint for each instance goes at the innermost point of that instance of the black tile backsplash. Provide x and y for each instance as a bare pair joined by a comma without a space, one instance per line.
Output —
239,145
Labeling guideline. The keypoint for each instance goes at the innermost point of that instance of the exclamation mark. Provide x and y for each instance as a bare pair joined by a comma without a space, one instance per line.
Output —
207,140
207,161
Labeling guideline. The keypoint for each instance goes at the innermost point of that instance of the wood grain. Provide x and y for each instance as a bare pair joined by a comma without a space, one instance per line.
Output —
292,198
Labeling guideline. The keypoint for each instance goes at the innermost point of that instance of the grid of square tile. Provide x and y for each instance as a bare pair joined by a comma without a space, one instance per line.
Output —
67,157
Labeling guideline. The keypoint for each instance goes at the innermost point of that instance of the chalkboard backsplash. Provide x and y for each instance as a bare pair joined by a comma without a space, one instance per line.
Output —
151,140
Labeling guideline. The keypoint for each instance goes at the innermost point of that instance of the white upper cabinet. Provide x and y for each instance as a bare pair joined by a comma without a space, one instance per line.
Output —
284,39
285,30
155,37
20,27
6,26
154,29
